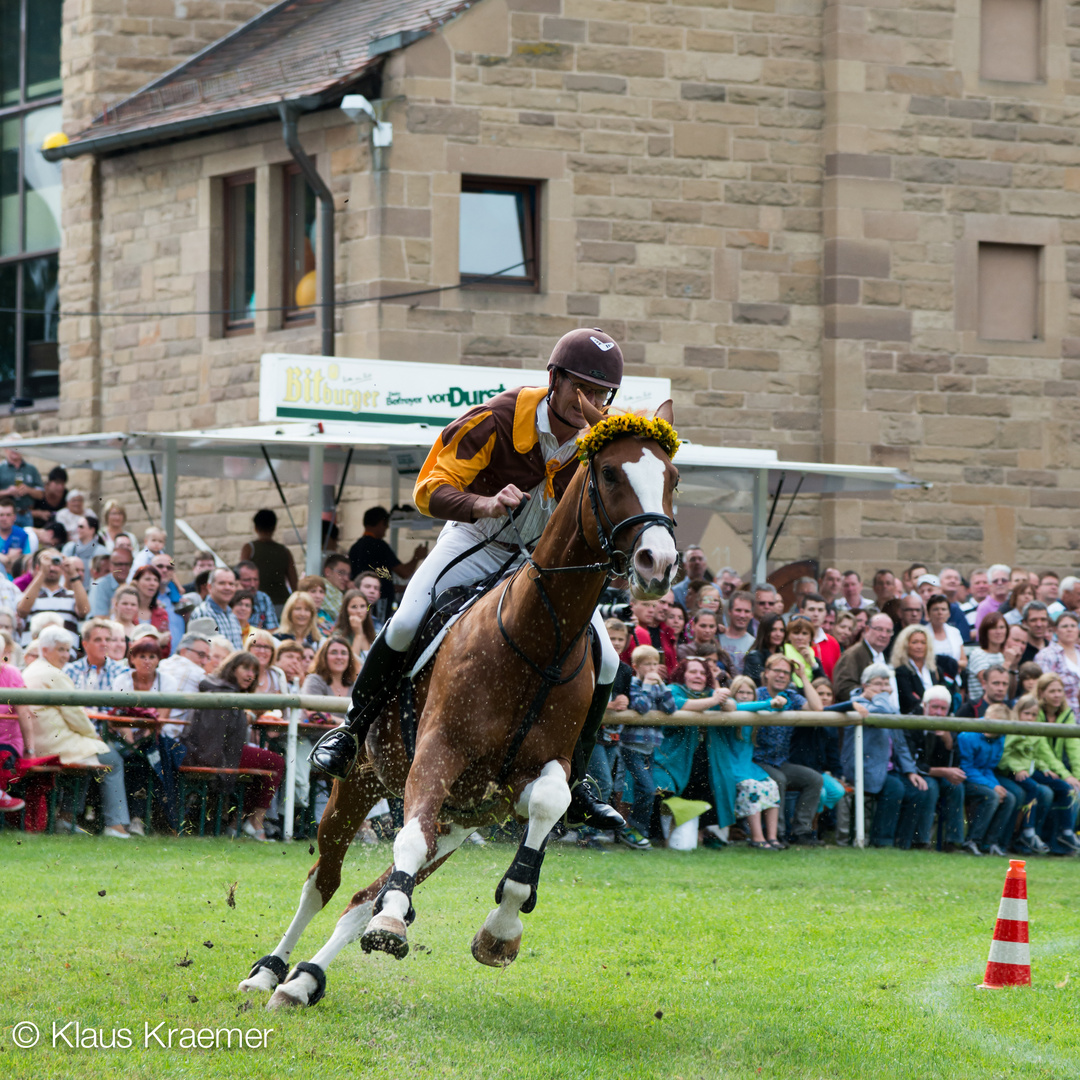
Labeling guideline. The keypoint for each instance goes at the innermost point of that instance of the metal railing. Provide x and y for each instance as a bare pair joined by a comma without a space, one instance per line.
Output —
292,704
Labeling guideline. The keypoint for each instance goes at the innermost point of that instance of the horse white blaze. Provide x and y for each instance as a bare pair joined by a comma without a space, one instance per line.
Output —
656,556
311,904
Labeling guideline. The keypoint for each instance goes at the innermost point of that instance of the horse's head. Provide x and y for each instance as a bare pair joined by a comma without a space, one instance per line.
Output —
631,483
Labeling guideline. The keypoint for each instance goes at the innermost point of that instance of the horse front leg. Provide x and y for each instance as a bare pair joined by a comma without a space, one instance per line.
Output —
545,800
434,770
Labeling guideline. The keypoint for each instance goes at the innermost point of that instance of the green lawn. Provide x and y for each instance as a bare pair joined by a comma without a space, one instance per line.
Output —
834,963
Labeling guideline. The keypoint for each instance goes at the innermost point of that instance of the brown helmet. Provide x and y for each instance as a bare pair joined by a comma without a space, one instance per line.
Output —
590,355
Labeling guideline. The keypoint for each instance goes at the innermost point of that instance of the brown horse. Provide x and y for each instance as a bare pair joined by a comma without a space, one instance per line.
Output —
521,649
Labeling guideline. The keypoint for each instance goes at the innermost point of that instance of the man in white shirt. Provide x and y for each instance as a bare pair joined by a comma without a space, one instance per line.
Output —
852,598
187,667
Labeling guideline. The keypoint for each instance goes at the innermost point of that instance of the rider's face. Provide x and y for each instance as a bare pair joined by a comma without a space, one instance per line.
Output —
565,397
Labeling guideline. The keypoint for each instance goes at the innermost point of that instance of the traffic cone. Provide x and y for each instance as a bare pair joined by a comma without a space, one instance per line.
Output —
1010,962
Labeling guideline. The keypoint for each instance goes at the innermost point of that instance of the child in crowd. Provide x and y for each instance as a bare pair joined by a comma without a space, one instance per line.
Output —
242,605
757,796
1055,709
153,544
605,755
1022,756
1027,678
994,811
647,694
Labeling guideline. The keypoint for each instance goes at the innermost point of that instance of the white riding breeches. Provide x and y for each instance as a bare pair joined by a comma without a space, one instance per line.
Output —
455,539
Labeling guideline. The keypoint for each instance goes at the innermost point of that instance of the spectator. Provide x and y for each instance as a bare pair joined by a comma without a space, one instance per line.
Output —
220,650
153,544
909,578
169,599
675,621
125,610
993,806
66,731
918,668
263,646
697,570
242,605
647,694
263,615
803,586
844,630
884,586
1054,709
651,630
992,632
14,542
994,686
222,588
736,640
951,585
945,638
277,571
289,658
1036,625
115,518
873,649
187,667
800,651
1027,678
315,587
766,602
370,585
21,482
372,552
771,638
204,563
706,598
999,576
704,629
1020,760
757,795
912,611
16,721
333,672
336,574
95,669
201,585
1068,598
118,642
85,545
773,750
74,508
354,623
813,607
1019,597
104,588
889,771
851,595
299,620
57,585
831,585
1062,658
1047,591
937,758
147,582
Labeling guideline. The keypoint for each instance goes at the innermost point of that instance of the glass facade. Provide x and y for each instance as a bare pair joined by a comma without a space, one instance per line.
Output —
240,252
30,196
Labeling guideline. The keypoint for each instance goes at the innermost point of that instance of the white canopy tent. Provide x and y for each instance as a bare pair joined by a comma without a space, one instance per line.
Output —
317,453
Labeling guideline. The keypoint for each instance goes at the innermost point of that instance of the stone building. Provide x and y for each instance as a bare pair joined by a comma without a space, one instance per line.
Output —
849,231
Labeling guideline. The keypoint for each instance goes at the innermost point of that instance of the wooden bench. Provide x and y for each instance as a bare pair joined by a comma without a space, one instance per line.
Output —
198,777
78,773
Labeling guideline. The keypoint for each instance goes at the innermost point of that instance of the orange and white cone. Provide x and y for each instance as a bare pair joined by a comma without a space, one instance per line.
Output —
1010,960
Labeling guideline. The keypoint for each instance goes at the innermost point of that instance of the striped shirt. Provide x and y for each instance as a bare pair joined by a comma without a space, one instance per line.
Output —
60,600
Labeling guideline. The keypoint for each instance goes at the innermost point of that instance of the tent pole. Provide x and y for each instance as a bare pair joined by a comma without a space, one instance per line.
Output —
759,571
313,553
168,502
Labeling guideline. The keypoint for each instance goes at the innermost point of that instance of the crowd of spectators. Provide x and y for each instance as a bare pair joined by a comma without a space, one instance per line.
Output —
85,605
1001,644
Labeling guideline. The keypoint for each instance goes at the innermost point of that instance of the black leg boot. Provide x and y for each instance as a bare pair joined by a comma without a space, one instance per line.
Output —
336,752
585,806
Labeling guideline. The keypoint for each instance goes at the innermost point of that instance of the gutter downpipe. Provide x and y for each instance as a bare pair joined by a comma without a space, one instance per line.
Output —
289,113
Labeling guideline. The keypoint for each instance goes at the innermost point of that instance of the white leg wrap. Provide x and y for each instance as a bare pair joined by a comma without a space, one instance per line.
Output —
410,854
503,922
548,799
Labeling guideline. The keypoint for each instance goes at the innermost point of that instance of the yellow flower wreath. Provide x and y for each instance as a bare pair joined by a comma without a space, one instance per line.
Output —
613,427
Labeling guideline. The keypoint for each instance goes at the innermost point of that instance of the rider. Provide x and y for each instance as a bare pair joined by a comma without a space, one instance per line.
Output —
517,447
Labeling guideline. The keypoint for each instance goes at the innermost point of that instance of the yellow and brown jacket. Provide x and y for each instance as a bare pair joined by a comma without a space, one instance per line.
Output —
490,446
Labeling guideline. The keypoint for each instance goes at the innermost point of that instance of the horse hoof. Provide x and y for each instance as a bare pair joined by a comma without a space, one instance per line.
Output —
288,996
385,934
492,951
263,980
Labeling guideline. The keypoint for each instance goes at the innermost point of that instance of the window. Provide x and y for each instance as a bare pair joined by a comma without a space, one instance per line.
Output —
497,232
29,200
240,253
1011,40
300,241
1009,303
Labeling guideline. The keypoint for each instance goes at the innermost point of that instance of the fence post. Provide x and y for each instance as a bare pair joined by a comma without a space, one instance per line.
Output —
860,802
293,716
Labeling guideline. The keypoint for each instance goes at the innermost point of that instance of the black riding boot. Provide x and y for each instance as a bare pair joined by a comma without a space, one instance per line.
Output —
336,752
585,806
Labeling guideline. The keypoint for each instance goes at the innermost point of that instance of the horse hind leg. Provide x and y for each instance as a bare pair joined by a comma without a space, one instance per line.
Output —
349,802
498,941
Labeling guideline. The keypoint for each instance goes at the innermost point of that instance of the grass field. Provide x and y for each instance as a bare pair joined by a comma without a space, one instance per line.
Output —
832,963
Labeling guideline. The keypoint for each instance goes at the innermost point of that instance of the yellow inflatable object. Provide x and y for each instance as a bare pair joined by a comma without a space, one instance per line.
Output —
57,138
305,290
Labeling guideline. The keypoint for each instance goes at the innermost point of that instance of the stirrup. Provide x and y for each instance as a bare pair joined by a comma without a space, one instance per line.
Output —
335,753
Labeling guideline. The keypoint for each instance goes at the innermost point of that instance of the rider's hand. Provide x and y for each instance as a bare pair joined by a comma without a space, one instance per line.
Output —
496,506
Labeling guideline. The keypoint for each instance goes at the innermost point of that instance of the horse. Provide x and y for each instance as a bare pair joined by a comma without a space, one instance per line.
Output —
499,709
